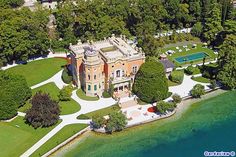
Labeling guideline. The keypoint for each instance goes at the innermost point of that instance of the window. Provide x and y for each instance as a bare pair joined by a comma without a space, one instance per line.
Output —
118,73
95,87
95,77
112,66
88,77
123,73
135,69
89,87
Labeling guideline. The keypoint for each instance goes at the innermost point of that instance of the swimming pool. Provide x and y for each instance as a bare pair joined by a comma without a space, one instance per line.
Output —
191,57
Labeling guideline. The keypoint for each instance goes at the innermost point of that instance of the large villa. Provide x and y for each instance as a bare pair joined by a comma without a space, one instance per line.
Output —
96,66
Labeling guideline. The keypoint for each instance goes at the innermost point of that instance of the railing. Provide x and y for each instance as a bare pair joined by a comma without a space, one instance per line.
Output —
120,80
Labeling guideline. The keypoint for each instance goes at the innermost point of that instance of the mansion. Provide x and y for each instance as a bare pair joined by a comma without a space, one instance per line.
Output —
102,65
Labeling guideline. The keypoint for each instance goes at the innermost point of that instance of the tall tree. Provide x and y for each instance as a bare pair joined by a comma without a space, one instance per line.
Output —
14,92
150,83
44,111
227,62
213,24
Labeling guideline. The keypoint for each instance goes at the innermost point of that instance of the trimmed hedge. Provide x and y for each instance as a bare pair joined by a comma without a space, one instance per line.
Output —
150,83
66,76
189,70
105,94
177,76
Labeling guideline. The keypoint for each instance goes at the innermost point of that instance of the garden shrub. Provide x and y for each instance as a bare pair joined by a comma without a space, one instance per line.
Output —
177,76
206,74
176,98
163,106
106,94
65,93
197,91
189,70
66,76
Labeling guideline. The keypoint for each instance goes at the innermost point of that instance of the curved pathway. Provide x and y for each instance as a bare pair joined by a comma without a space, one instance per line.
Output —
56,79
184,89
89,106
86,107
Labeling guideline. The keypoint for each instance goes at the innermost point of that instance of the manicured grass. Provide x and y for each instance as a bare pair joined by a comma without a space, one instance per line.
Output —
38,71
80,93
103,112
59,137
170,83
67,107
201,79
199,48
60,50
16,140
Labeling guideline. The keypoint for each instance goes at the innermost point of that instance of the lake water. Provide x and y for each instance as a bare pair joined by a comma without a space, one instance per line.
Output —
206,126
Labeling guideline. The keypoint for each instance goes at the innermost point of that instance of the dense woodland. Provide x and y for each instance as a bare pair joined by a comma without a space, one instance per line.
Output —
24,33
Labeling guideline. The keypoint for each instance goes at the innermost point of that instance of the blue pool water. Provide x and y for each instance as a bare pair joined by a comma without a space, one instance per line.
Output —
192,57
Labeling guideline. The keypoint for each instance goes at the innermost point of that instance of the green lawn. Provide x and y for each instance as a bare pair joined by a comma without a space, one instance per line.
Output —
201,79
103,112
199,48
16,140
67,107
80,93
170,83
60,50
60,137
38,71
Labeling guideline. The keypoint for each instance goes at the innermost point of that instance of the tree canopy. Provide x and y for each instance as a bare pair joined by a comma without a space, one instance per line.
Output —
197,91
14,92
23,34
150,82
44,111
227,62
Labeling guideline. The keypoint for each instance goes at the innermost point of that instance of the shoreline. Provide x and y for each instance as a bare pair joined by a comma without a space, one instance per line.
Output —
180,109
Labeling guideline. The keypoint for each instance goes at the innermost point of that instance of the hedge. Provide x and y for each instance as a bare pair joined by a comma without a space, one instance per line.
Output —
106,94
66,76
177,76
189,70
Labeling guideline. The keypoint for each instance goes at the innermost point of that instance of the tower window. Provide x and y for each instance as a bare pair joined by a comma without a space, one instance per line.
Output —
95,87
95,77
118,73
88,77
89,87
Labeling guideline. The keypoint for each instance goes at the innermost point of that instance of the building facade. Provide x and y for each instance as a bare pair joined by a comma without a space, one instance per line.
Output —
100,66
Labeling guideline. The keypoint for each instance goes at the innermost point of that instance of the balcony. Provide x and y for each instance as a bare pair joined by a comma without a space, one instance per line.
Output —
118,80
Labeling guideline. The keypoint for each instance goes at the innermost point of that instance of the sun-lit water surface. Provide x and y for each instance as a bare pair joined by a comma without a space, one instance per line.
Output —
206,126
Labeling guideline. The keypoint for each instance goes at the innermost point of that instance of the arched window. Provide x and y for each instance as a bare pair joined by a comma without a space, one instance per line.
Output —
95,77
88,77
